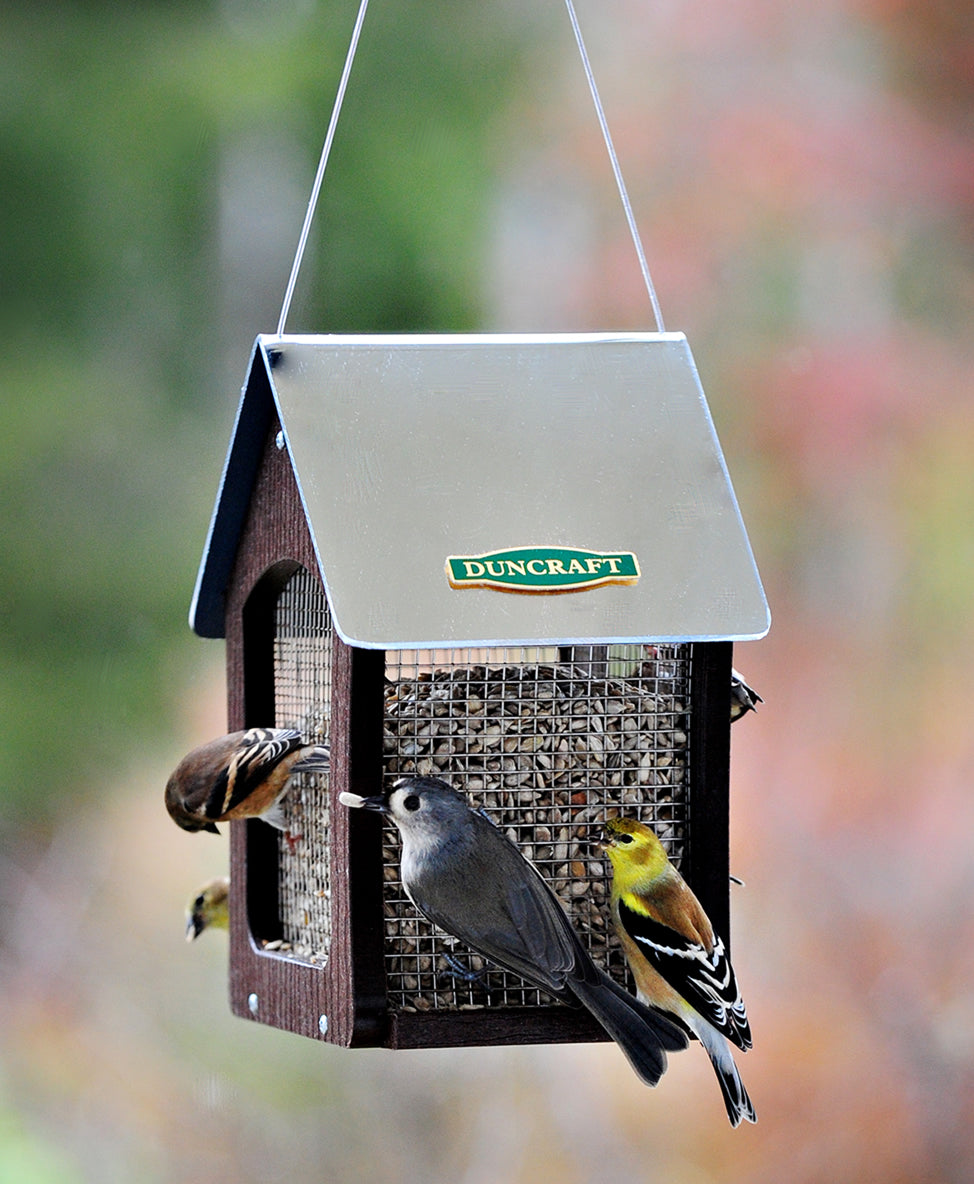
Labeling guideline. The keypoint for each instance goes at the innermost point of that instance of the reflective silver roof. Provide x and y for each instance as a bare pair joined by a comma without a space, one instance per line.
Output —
410,449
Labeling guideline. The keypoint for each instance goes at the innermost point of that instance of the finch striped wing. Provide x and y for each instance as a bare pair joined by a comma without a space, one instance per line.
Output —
260,751
318,760
705,980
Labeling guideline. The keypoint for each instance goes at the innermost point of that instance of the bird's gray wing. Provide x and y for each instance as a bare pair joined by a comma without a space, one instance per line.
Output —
498,904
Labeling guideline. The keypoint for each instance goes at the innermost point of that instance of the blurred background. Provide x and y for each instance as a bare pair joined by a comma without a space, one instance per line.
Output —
803,178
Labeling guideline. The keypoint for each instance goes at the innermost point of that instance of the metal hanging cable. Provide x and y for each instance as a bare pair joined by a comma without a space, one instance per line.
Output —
322,163
617,171
330,135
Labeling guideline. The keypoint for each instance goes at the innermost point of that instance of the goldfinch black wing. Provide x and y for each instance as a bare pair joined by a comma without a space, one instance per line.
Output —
705,980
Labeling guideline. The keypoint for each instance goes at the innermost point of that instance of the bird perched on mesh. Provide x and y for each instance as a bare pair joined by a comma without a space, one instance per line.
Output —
467,877
243,775
743,697
209,908
679,963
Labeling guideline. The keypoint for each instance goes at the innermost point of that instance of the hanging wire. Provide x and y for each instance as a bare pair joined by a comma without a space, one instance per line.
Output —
637,241
325,152
330,135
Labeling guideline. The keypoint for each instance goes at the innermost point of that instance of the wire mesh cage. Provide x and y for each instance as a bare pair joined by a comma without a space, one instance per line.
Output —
548,744
547,741
302,696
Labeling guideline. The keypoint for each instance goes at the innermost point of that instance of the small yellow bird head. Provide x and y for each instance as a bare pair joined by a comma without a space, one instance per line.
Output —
633,849
209,908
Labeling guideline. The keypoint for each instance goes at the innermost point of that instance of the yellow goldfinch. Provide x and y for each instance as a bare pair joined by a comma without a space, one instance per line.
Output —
467,877
243,775
679,964
209,908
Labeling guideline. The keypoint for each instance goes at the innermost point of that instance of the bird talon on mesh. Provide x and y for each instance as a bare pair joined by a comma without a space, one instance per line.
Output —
455,969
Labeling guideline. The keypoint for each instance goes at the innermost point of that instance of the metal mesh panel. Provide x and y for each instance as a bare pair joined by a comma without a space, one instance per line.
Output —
549,744
302,696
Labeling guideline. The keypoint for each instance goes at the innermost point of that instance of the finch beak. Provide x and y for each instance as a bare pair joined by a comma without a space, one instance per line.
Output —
212,828
194,926
357,802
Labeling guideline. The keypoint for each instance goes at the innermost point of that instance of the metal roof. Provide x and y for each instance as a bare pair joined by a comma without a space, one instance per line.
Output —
410,449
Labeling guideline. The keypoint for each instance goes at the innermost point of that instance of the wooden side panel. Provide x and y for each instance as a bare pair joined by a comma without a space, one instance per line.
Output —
312,1000
356,849
706,861
494,1025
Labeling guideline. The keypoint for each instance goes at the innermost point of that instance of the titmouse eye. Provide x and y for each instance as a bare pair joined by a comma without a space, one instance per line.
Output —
411,802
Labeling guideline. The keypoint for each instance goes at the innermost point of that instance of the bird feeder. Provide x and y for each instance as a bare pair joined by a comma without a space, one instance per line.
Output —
514,562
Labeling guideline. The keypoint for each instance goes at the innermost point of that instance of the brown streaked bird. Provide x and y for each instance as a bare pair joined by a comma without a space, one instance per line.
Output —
680,965
209,908
242,775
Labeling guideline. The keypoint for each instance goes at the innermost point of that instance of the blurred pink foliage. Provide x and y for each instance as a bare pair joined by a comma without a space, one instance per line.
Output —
803,177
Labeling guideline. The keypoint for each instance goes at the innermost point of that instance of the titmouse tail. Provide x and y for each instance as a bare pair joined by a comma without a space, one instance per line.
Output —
642,1033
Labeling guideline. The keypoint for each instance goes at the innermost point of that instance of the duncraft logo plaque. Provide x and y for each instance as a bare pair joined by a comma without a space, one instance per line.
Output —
542,570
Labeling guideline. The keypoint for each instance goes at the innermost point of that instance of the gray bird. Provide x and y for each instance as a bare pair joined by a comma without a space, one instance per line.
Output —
467,877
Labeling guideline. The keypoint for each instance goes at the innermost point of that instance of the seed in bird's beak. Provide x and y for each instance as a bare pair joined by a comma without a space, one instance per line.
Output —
357,802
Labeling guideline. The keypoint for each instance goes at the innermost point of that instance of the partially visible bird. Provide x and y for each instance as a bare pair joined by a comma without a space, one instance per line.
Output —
209,908
679,963
743,697
467,877
242,775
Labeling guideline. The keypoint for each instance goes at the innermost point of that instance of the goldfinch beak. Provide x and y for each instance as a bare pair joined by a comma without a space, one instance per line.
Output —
194,926
357,802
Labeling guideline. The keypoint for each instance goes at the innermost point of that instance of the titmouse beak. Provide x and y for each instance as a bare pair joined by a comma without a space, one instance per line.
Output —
356,801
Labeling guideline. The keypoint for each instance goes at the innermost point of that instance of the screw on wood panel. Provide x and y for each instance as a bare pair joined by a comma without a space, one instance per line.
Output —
323,1024
253,1003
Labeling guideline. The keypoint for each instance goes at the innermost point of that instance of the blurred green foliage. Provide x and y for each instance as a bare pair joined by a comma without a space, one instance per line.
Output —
122,361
